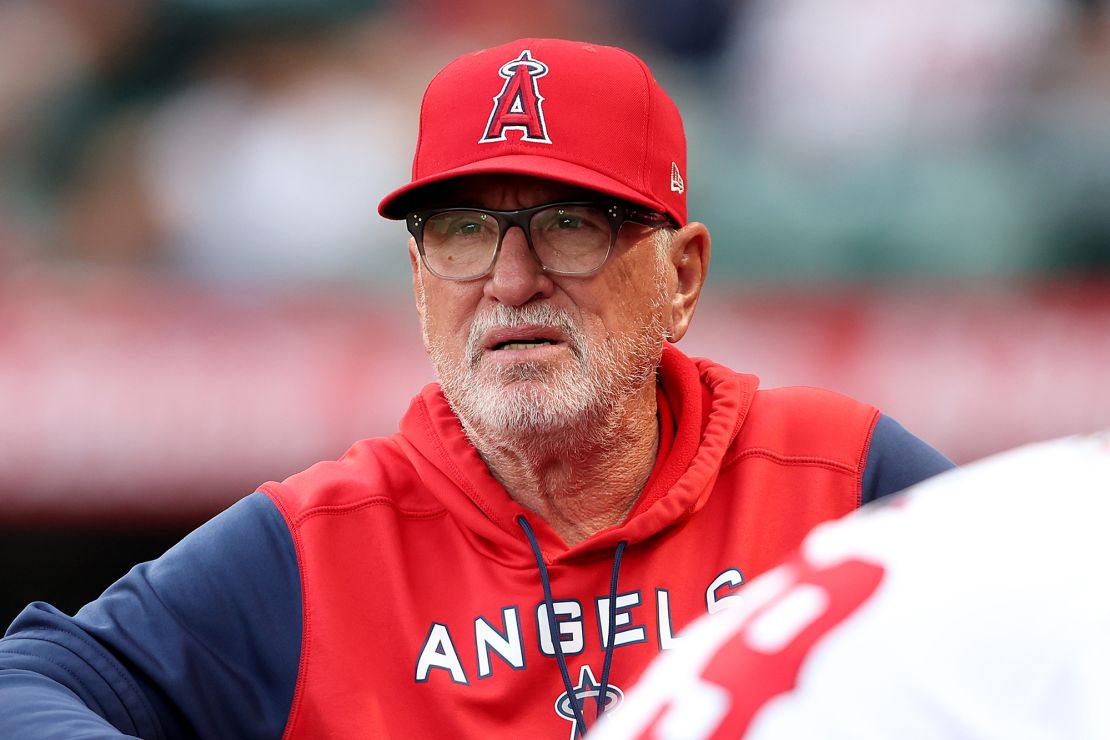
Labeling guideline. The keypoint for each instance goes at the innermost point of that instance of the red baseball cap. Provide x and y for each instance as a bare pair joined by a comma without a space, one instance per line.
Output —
582,114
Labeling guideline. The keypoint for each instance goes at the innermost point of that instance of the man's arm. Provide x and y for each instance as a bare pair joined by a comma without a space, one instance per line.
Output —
203,642
896,460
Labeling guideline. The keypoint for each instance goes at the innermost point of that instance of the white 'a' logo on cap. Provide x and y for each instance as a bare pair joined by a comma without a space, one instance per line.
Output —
519,105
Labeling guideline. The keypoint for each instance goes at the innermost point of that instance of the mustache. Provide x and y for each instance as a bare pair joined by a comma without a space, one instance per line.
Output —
507,317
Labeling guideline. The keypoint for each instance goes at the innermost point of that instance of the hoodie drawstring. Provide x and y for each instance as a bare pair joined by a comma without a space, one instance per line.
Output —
552,624
603,693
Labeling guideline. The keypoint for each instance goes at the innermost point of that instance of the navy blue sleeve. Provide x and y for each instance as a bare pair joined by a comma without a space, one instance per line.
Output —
897,460
202,642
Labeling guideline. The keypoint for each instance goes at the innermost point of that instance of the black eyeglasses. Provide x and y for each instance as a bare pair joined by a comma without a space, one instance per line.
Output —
573,238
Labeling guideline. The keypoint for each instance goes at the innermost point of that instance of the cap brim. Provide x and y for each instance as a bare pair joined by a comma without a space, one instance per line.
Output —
403,200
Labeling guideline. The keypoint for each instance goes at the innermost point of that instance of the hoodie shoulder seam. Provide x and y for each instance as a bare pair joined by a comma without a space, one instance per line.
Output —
802,460
295,518
367,503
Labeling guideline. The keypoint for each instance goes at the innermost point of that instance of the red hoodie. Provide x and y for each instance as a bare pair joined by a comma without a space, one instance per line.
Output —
424,611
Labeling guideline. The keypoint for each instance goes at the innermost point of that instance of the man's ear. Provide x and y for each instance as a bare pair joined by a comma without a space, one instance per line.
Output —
689,254
417,279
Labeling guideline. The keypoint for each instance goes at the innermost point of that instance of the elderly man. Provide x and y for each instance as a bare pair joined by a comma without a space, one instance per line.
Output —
571,493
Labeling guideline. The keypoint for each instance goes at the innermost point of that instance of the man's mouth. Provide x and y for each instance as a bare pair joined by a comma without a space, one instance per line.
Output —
522,344
525,338
518,336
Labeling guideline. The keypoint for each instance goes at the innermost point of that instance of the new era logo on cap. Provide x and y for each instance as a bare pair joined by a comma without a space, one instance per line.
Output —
678,185
582,114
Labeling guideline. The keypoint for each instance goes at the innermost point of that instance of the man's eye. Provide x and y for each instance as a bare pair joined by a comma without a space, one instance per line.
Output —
468,228
461,225
568,222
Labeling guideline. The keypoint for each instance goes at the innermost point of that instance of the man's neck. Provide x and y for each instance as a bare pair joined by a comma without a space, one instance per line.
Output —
586,479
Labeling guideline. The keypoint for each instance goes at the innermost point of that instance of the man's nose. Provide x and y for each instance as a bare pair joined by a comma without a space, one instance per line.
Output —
517,277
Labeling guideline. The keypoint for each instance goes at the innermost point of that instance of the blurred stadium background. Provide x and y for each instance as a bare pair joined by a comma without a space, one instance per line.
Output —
908,198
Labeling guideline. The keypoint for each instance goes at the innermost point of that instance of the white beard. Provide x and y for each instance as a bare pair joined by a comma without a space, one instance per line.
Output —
506,404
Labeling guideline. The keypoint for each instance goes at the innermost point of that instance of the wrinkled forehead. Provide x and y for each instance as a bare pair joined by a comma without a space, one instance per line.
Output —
503,192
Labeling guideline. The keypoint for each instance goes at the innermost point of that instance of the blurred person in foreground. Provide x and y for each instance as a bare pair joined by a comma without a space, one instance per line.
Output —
572,492
973,606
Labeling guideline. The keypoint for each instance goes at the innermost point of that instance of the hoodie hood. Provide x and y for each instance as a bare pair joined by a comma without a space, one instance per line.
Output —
708,403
